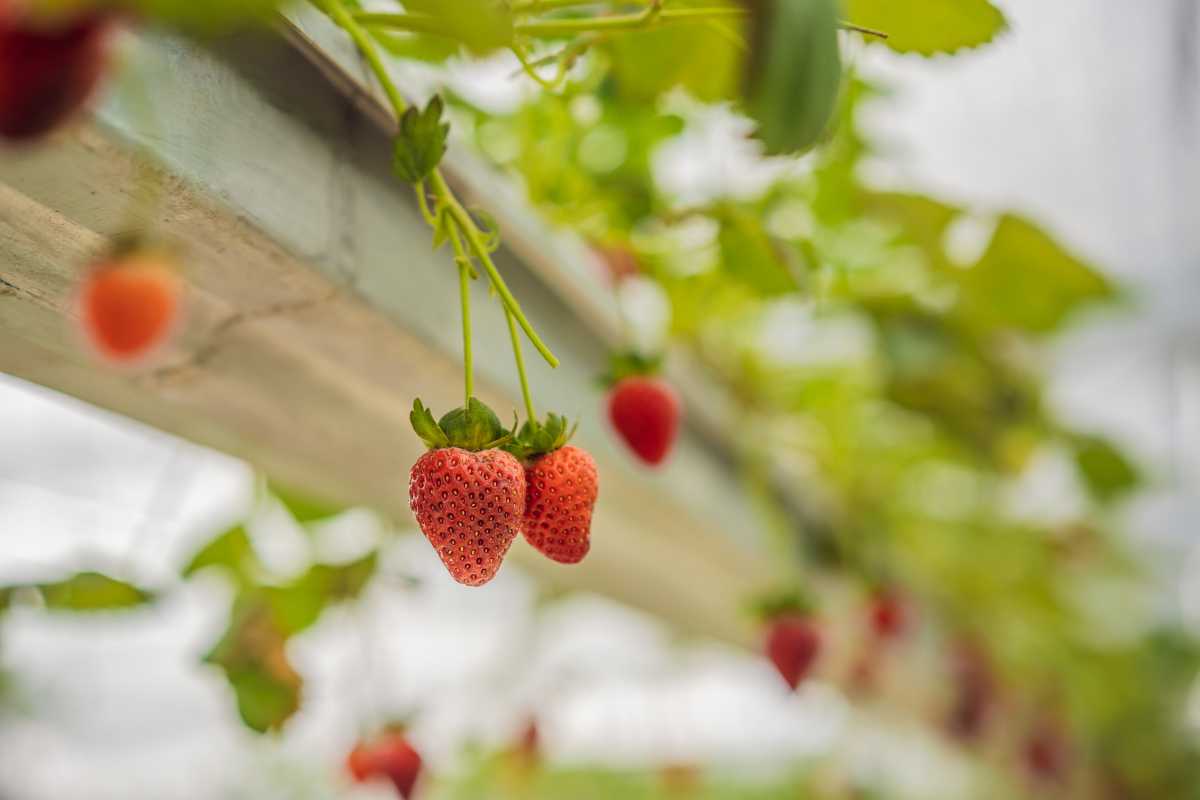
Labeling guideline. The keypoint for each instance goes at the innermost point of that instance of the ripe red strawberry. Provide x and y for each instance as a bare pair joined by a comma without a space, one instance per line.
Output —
1046,753
468,497
129,304
793,644
645,412
561,487
975,692
889,614
48,73
526,748
388,756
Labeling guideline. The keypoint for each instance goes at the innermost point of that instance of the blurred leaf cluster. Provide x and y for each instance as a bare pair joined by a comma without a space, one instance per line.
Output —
892,379
267,610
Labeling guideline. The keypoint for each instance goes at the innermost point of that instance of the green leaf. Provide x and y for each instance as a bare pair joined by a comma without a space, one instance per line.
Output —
426,426
303,508
929,26
704,59
1105,470
231,550
794,72
749,255
253,654
482,25
1027,281
421,142
299,604
91,591
416,46
266,698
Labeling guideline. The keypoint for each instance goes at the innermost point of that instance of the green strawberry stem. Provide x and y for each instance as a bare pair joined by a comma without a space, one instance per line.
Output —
520,359
480,250
464,297
338,12
459,223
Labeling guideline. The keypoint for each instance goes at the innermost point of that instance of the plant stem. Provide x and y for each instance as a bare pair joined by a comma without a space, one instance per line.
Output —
538,6
850,26
366,46
471,232
520,359
461,225
464,299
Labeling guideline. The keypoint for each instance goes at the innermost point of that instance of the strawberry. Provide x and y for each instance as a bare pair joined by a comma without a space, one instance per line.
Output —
793,644
388,756
468,496
645,412
526,747
1046,753
129,303
528,744
643,409
975,691
48,73
888,614
561,486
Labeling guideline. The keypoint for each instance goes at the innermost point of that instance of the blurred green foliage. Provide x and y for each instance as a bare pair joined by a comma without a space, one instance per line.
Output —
81,592
905,446
267,611
929,26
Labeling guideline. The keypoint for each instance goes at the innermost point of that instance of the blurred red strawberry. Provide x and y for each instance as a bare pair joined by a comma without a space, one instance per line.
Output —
645,411
793,644
1046,753
889,614
527,746
388,756
48,73
129,304
975,692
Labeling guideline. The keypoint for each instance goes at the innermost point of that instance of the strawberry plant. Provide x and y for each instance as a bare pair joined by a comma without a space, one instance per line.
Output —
895,455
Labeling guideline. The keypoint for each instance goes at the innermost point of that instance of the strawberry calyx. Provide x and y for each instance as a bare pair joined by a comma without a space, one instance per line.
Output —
629,363
538,438
782,603
472,427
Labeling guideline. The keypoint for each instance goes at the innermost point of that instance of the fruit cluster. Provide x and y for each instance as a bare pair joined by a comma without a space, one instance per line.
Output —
479,485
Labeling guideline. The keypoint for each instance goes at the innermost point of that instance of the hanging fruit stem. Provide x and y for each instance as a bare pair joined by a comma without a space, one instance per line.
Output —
465,235
520,359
